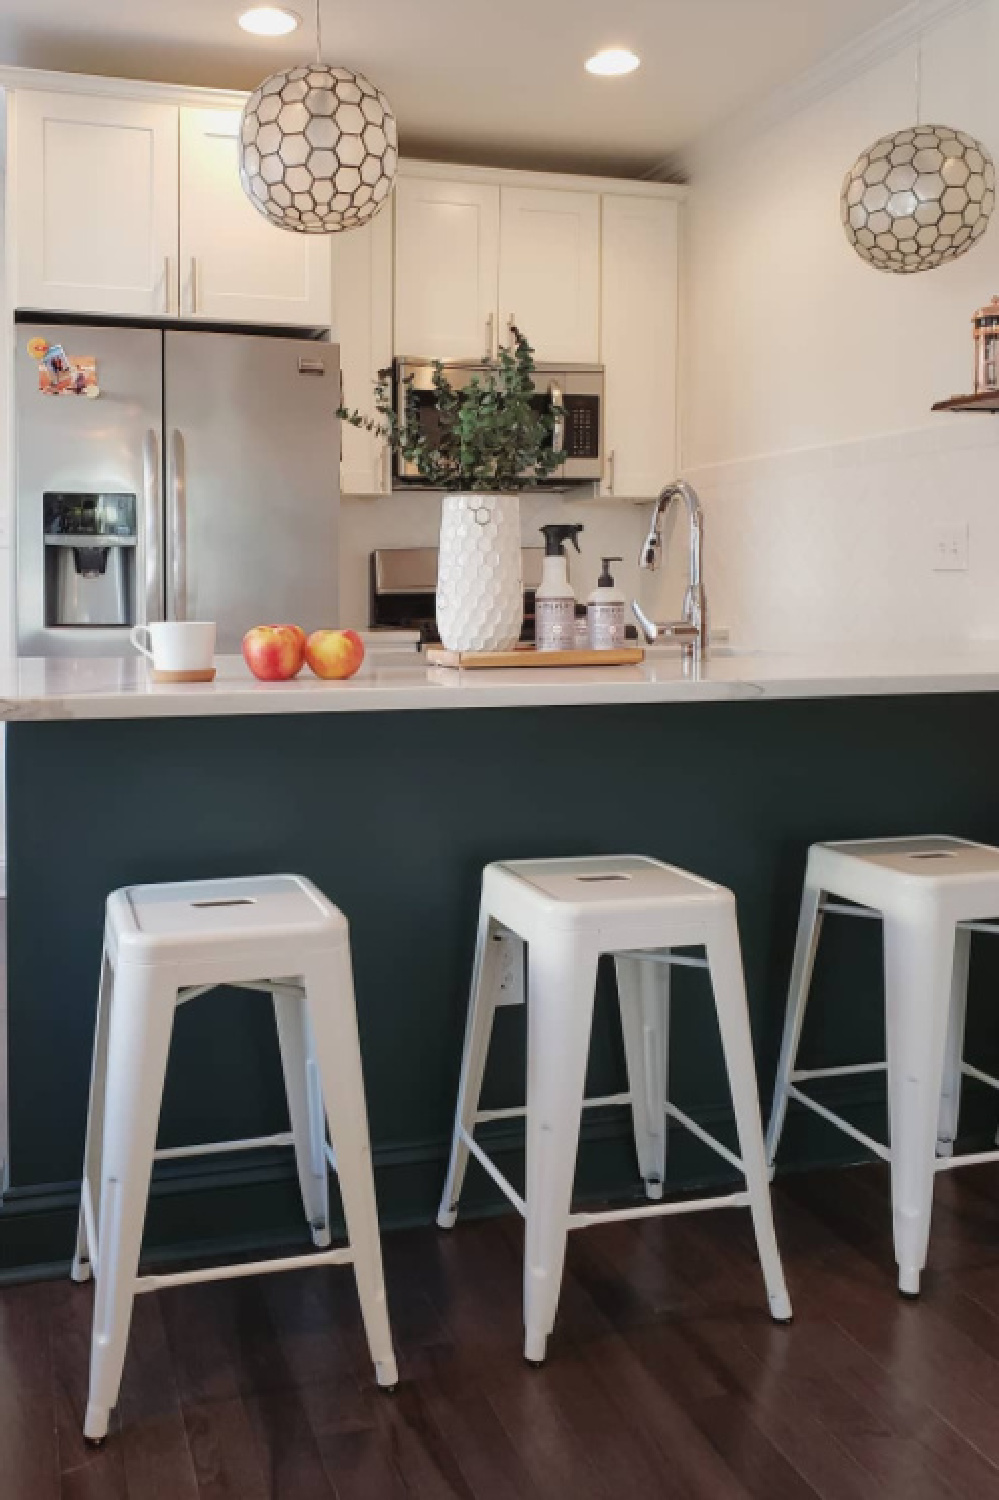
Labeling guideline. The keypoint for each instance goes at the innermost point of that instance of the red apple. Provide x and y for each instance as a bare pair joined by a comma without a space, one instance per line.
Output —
274,653
334,653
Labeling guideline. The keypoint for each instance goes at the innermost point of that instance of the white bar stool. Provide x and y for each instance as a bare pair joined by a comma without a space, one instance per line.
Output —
930,895
567,912
165,945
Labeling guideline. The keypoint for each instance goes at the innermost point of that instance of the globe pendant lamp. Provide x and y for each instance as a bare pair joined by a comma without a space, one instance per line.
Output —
318,148
917,199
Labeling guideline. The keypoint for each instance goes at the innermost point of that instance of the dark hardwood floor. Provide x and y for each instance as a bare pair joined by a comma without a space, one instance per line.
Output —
665,1379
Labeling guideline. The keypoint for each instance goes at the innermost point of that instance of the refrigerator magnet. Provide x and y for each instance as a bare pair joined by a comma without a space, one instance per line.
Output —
59,375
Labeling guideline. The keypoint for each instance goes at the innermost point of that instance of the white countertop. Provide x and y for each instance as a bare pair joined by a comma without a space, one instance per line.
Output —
76,688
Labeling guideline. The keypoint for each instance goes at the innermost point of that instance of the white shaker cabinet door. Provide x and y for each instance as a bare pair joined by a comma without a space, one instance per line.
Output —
362,326
639,344
94,202
447,244
235,266
550,271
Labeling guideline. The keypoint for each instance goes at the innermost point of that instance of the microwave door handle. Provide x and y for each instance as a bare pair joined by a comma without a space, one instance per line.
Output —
558,402
178,528
152,518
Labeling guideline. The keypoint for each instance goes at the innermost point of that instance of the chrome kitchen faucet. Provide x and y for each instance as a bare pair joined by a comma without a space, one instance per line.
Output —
692,630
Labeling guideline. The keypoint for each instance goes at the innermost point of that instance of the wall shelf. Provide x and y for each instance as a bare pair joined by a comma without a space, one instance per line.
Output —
987,401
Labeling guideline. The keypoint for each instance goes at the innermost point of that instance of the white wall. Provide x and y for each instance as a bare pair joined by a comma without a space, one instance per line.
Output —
808,376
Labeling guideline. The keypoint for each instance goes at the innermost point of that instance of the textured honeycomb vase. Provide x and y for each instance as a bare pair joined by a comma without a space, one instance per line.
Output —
480,591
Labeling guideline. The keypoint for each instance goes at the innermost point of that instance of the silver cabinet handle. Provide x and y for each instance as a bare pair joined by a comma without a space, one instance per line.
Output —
490,336
610,472
168,284
195,285
177,602
152,525
558,406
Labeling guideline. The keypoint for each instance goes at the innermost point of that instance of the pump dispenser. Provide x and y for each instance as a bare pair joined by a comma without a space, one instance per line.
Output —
554,601
605,611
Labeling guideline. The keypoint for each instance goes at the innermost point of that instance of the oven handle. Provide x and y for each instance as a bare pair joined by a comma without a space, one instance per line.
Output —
558,402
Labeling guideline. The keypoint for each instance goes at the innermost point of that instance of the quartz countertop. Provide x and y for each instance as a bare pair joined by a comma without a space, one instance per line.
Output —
390,680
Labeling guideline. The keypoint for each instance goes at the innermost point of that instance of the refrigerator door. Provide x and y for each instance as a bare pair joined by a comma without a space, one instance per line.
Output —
252,481
70,445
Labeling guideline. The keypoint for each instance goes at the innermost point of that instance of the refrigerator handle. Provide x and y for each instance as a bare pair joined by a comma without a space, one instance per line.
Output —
177,609
152,507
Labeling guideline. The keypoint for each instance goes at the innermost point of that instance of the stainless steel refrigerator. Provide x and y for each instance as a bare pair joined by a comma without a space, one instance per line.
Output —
201,483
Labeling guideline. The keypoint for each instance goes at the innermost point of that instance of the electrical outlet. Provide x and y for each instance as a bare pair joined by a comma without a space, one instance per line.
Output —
511,968
950,549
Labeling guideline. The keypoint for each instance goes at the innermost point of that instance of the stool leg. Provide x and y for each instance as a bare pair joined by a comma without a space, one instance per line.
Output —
329,987
478,1031
805,948
138,1046
919,969
950,1098
644,995
305,1109
562,976
728,983
81,1267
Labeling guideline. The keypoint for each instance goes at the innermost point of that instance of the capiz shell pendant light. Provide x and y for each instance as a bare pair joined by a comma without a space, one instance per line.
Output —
918,198
318,148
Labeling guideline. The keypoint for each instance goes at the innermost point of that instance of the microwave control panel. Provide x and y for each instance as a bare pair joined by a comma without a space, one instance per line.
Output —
582,426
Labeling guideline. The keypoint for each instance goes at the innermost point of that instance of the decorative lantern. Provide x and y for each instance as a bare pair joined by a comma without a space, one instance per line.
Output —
986,326
919,198
318,148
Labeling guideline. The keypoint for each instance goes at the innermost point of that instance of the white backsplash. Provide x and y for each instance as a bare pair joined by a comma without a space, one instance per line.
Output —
412,519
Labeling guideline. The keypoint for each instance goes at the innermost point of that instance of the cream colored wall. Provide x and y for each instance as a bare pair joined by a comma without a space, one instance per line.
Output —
808,376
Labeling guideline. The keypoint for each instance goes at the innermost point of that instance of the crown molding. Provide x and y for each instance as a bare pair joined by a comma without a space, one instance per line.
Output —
885,40
13,78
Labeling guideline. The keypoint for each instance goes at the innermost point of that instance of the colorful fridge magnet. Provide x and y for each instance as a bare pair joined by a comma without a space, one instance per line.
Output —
59,375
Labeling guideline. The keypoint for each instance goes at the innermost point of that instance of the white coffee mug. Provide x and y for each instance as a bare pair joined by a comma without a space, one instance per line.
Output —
177,645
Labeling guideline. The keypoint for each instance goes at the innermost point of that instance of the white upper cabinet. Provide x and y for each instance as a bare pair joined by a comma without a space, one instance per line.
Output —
550,271
94,204
234,265
638,316
447,247
362,326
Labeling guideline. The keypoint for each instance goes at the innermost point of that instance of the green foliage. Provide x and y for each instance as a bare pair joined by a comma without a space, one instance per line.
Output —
489,435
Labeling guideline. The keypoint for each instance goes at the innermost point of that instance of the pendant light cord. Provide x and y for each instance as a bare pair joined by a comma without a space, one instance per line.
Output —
919,62
319,35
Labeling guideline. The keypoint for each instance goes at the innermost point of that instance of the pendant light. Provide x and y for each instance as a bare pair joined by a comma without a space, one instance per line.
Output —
318,147
917,199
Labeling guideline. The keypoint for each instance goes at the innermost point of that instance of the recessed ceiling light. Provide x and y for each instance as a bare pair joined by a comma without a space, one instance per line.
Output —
612,62
269,20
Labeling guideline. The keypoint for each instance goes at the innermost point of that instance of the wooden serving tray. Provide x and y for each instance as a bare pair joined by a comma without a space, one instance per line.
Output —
527,656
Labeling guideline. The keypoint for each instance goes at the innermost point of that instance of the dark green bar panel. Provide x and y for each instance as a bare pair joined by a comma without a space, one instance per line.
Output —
394,815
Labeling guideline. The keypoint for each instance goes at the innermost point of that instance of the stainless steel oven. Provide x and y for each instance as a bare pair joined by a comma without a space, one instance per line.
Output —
577,389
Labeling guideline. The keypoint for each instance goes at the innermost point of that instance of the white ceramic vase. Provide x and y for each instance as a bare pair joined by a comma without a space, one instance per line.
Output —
480,590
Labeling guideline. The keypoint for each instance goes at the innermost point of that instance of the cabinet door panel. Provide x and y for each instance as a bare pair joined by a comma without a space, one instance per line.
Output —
235,266
639,343
549,270
362,326
95,204
447,241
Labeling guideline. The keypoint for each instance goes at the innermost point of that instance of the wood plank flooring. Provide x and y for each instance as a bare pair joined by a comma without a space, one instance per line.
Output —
665,1379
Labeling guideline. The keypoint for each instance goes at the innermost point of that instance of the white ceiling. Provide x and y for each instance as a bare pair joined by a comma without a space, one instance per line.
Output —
489,81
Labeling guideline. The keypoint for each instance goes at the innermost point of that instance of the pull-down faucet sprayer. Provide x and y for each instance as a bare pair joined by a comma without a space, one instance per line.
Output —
692,629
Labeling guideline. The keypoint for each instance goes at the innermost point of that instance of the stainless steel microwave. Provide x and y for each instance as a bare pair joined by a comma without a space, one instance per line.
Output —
577,389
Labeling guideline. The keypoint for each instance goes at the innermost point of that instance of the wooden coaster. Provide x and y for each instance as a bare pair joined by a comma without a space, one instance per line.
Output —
201,674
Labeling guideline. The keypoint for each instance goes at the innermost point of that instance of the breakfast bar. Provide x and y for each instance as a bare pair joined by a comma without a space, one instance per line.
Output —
391,792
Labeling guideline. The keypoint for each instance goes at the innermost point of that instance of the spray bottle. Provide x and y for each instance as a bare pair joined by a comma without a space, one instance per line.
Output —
554,601
605,611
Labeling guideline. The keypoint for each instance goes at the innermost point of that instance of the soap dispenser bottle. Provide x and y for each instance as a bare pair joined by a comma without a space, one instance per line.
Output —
554,601
605,611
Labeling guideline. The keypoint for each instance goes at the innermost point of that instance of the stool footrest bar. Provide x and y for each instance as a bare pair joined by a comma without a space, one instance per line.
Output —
659,1210
505,1187
986,1078
971,1159
884,1152
800,1074
705,1136
339,1257
519,1112
217,1148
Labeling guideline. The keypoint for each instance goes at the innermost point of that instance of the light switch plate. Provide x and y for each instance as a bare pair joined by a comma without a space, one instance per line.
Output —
950,549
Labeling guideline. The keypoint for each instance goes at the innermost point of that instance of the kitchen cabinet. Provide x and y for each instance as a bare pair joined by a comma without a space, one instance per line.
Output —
234,265
447,250
362,325
94,204
638,343
549,271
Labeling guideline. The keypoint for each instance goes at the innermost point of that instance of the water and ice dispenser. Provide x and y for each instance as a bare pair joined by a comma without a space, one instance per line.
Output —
90,558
